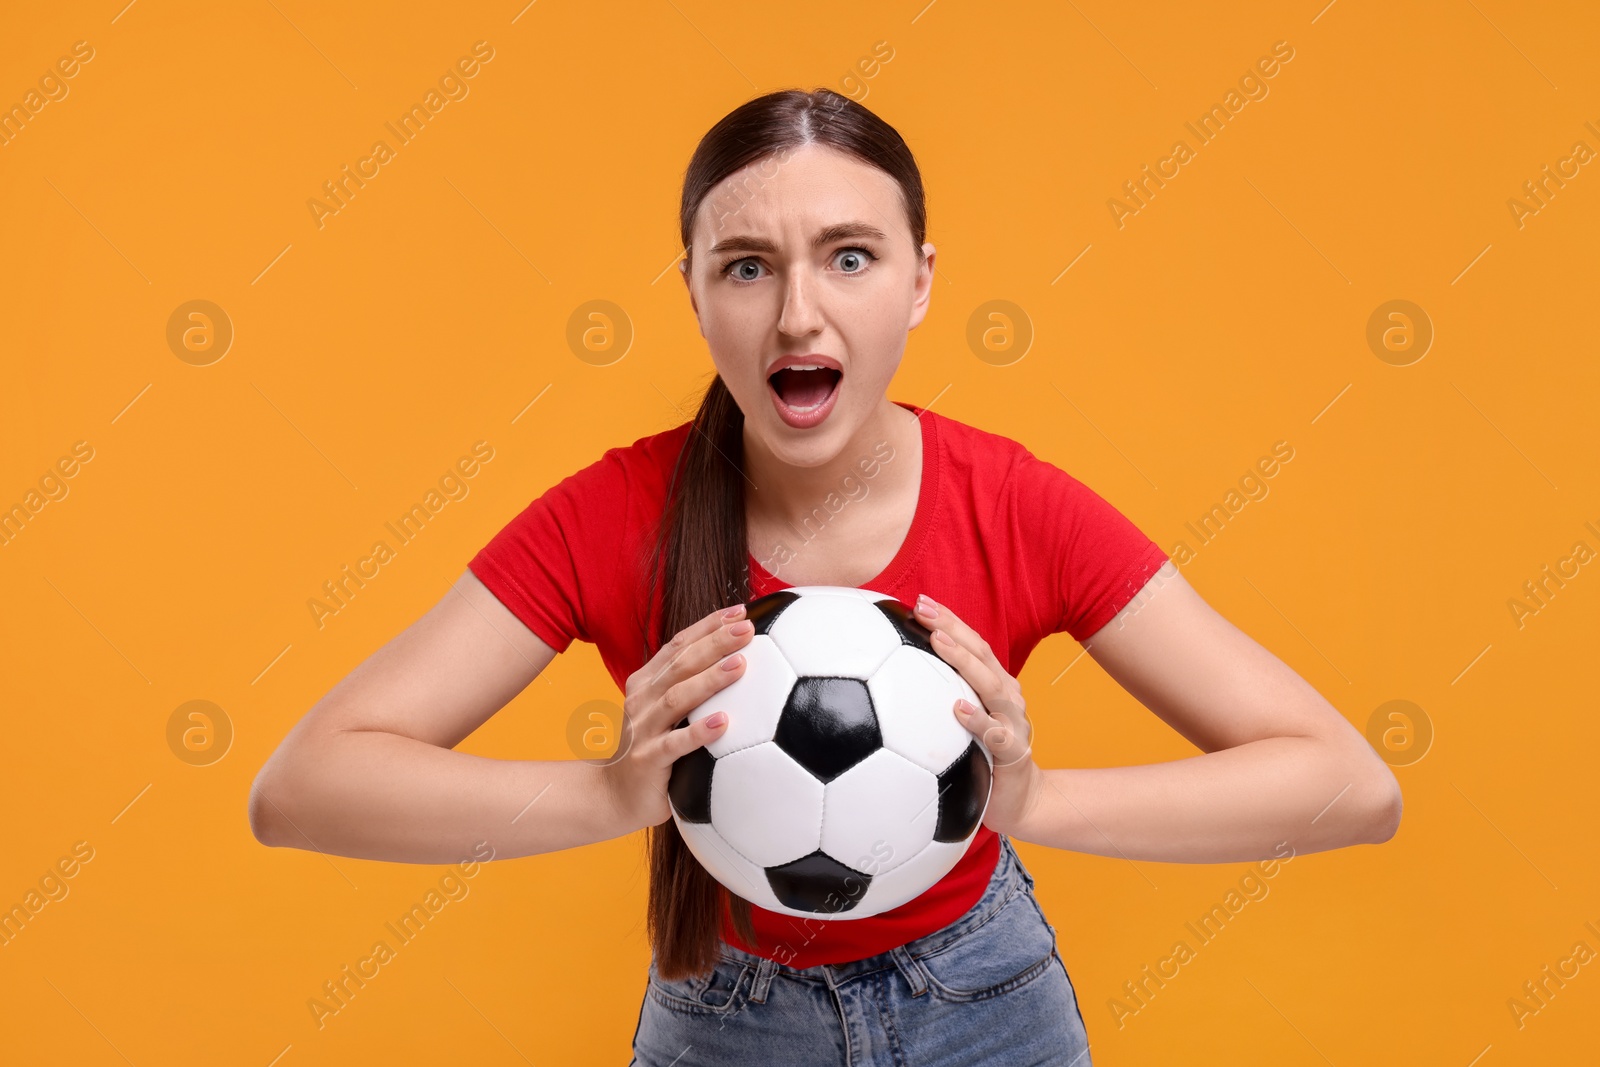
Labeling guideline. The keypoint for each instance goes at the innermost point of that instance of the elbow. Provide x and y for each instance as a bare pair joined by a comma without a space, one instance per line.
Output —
1368,794
279,794
1384,806
268,796
263,819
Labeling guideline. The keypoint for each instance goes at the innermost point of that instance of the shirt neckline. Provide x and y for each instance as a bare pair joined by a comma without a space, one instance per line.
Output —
921,518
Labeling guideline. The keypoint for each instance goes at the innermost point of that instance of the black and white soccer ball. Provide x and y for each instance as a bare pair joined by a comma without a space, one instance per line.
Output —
843,785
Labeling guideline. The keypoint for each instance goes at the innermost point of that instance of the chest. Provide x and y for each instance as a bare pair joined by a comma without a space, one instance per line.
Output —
838,547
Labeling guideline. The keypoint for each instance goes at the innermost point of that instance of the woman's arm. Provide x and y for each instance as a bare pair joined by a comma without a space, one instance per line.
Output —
1280,765
369,771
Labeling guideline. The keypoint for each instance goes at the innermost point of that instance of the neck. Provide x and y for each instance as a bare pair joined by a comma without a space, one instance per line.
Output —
787,494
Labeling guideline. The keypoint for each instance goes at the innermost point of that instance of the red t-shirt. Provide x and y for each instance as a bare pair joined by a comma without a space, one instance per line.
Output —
1016,547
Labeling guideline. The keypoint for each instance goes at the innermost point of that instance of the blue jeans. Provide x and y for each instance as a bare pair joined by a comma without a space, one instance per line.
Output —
989,988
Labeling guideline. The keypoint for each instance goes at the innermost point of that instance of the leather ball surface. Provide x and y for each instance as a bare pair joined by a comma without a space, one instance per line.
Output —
843,784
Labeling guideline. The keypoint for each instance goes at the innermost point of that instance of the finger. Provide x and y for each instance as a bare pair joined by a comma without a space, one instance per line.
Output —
937,617
980,667
1008,739
993,687
680,743
690,693
694,647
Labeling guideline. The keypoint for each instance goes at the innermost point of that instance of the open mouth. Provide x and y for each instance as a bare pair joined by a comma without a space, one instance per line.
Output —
804,395
804,390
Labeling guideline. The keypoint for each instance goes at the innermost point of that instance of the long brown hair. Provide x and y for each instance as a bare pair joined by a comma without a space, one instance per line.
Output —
702,540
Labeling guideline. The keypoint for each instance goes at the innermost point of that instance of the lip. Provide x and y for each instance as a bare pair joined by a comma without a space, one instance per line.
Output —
805,361
804,420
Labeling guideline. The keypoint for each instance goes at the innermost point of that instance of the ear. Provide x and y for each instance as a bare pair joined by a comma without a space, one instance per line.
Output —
922,287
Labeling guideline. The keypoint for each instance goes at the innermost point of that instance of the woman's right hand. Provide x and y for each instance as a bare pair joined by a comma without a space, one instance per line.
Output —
682,675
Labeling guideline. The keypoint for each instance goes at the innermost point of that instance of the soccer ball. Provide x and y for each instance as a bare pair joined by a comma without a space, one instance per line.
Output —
843,785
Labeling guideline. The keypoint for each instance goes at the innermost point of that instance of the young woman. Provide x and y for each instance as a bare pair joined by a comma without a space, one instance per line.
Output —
803,223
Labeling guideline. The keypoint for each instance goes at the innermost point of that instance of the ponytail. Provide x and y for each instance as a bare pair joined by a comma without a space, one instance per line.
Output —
702,542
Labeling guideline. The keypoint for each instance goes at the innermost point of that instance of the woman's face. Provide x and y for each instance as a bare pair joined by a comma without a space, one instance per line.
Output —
807,253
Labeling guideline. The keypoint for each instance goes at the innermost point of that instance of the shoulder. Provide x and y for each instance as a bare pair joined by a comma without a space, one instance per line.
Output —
1025,485
991,463
645,463
651,450
954,431
964,445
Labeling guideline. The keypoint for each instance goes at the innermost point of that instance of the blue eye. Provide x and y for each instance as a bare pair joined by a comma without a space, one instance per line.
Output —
853,253
861,256
738,263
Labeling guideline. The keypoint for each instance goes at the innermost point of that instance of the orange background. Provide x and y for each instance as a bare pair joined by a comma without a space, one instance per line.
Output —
1229,313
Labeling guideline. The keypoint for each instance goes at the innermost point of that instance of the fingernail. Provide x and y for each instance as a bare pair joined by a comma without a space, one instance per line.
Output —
739,629
716,719
926,606
734,612
963,708
732,662
943,638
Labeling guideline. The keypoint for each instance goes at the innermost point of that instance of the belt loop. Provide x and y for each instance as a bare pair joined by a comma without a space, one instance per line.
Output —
910,968
764,972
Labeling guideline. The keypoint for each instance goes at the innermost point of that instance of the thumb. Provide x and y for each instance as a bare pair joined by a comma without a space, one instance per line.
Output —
682,741
974,718
1002,739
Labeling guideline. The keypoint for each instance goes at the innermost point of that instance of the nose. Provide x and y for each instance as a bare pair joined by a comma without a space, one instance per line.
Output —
801,314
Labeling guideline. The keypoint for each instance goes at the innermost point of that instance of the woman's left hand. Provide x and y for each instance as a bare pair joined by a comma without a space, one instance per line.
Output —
1001,723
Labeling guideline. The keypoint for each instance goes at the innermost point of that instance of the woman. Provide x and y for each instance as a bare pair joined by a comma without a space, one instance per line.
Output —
803,223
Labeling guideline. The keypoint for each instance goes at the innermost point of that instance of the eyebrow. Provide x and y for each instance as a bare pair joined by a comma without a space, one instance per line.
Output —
829,234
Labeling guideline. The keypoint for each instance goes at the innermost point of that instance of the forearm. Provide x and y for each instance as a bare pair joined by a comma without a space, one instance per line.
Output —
1231,804
384,796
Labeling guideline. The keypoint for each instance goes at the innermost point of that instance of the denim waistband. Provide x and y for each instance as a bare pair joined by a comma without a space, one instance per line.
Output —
1009,878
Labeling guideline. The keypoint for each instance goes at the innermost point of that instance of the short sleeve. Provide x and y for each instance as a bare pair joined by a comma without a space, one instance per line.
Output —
556,563
1095,559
